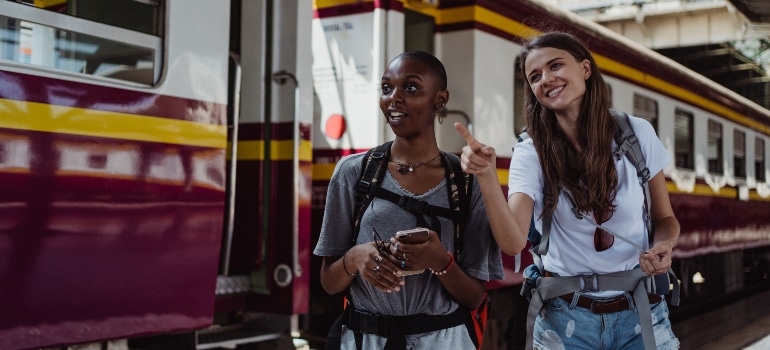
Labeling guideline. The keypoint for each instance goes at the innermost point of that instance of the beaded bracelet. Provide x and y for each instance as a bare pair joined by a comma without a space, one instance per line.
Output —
345,267
451,261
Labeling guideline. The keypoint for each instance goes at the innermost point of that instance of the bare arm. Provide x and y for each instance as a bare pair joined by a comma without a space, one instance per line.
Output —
666,228
509,219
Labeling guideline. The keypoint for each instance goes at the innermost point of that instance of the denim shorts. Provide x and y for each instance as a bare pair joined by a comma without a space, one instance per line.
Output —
563,325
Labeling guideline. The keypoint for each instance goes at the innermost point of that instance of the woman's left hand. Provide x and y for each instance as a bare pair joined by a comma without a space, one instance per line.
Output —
657,260
418,256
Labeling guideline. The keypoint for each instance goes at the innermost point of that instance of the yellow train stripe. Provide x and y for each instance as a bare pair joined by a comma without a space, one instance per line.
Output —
319,4
323,172
280,150
36,116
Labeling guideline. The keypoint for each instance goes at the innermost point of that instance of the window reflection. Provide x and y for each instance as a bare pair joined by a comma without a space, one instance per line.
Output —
56,41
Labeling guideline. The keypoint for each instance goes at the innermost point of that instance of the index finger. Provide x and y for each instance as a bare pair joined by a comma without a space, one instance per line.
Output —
465,133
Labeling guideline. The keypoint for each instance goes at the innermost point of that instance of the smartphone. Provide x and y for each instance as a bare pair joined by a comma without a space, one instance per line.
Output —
413,236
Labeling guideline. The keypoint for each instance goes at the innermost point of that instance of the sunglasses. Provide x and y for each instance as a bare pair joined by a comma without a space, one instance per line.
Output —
381,244
602,239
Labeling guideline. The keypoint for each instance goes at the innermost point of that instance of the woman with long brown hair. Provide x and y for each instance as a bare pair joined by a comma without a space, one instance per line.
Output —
569,170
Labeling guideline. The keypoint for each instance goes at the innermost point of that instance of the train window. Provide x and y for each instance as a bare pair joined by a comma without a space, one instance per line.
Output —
647,109
683,140
519,118
759,159
418,31
714,150
52,34
739,153
145,14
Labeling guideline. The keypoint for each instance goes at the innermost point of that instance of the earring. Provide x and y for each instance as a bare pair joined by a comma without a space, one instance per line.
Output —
440,118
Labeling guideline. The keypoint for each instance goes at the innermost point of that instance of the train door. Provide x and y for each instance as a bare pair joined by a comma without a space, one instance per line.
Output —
264,268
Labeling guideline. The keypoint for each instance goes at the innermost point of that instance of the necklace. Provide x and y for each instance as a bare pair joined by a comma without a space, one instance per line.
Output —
404,168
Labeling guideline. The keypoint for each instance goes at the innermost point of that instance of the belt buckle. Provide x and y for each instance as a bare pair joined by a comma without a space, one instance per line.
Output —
368,322
589,283
593,303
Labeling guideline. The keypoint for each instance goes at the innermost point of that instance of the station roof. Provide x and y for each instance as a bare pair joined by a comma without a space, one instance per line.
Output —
729,66
738,66
755,10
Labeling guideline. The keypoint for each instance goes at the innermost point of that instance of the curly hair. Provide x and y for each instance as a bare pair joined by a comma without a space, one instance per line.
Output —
591,177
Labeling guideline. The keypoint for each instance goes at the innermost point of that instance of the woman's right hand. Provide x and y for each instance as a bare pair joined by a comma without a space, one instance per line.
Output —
373,266
476,158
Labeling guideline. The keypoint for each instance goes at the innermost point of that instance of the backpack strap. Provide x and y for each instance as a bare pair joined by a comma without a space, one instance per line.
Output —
372,171
459,188
628,145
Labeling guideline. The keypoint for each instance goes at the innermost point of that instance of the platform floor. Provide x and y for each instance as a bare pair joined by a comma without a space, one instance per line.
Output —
740,325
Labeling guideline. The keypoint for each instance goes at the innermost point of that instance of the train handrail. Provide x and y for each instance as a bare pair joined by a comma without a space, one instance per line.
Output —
227,244
280,78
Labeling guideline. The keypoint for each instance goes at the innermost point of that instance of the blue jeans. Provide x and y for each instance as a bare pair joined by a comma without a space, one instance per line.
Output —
562,325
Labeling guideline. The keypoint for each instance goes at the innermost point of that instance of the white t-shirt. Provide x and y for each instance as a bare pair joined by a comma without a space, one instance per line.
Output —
571,249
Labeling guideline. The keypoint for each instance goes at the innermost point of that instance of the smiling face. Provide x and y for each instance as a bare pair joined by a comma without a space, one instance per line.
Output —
557,79
411,96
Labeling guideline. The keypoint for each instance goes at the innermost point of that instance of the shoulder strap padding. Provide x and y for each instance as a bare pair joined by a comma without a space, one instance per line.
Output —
628,144
372,171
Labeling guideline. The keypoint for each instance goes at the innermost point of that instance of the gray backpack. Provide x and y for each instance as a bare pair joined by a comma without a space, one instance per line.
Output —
537,288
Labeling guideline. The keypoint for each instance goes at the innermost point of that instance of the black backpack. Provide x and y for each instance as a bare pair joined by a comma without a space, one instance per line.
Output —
459,184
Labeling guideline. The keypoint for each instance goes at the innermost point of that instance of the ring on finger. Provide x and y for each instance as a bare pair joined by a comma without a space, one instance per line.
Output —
403,264
403,257
377,259
377,269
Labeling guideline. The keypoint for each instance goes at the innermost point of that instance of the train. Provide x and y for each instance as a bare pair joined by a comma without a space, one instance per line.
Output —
163,175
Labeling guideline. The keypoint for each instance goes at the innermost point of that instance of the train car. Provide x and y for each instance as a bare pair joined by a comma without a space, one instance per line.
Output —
163,174
125,128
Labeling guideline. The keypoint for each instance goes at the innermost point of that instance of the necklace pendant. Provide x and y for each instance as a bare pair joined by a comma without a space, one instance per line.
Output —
401,169
411,168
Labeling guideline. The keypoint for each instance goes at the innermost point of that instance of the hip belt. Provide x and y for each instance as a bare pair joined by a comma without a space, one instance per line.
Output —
606,306
365,322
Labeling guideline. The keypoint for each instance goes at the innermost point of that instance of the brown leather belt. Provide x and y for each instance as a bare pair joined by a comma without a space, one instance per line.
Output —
608,306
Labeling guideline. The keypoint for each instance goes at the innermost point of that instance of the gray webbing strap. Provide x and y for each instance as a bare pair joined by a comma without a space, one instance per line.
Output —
632,280
628,145
542,248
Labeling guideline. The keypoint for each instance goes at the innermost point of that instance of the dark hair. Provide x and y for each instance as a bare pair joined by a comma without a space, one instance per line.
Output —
436,67
591,177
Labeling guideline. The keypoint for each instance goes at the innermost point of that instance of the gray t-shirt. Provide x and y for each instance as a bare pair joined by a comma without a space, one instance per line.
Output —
422,293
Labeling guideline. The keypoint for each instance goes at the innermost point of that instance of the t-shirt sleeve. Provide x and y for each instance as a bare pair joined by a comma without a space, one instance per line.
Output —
481,254
524,174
